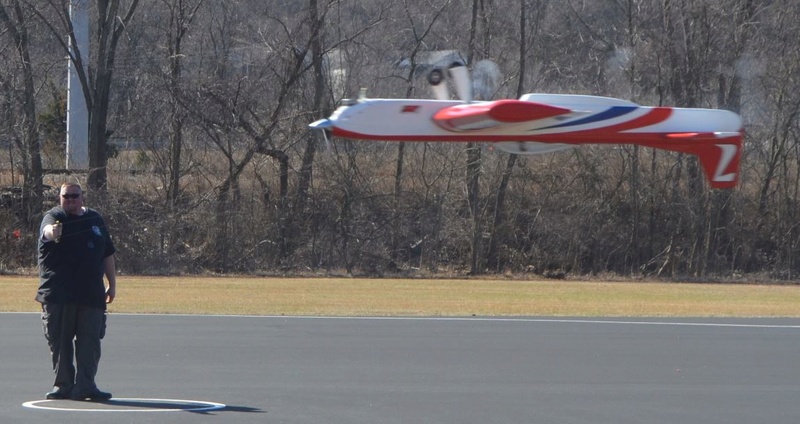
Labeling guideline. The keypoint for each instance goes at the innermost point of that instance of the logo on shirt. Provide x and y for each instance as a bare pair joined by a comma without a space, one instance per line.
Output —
96,230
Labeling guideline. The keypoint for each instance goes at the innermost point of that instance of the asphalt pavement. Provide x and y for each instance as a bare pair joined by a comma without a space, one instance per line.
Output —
228,369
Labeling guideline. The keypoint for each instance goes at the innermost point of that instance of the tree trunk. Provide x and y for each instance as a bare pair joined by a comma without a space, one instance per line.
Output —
181,16
305,174
97,84
492,255
32,160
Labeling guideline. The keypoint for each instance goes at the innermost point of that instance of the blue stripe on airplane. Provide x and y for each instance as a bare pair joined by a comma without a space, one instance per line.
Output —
611,113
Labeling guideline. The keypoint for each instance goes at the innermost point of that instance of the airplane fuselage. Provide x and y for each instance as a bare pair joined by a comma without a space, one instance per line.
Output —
541,123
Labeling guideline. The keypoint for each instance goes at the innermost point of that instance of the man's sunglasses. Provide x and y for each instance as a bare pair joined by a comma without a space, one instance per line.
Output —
71,195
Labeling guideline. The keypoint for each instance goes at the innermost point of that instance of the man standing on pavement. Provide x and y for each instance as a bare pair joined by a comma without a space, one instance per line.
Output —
75,252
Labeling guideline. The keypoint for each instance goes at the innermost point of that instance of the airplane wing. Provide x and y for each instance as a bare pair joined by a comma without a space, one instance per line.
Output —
476,116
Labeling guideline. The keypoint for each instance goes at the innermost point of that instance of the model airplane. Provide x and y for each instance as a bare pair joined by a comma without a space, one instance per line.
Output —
542,123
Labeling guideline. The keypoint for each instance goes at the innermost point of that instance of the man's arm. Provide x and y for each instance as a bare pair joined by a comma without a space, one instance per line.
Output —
110,270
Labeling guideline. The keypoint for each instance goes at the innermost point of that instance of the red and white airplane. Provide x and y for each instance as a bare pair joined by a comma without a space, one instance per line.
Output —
542,123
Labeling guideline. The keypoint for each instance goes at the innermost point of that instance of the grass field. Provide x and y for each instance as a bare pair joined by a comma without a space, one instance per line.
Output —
412,297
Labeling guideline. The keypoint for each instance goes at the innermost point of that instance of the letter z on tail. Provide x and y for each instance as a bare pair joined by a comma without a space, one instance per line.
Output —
719,154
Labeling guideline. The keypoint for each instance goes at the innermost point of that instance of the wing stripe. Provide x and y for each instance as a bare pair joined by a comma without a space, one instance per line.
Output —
611,113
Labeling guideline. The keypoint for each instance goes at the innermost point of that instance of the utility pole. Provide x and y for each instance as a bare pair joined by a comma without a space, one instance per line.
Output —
77,113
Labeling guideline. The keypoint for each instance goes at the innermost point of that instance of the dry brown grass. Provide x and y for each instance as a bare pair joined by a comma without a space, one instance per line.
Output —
404,297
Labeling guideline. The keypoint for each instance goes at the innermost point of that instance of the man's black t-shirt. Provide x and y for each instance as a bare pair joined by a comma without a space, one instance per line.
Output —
71,270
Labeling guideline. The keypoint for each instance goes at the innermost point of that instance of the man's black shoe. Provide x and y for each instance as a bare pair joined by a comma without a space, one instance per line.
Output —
93,395
58,393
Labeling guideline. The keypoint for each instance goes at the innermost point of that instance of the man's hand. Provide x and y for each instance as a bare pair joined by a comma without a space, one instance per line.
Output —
111,293
53,232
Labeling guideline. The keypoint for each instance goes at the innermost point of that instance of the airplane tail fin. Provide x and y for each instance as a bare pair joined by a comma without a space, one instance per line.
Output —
719,154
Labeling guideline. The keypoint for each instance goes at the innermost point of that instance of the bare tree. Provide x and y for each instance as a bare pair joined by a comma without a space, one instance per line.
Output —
15,20
181,16
242,111
527,9
419,38
111,19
